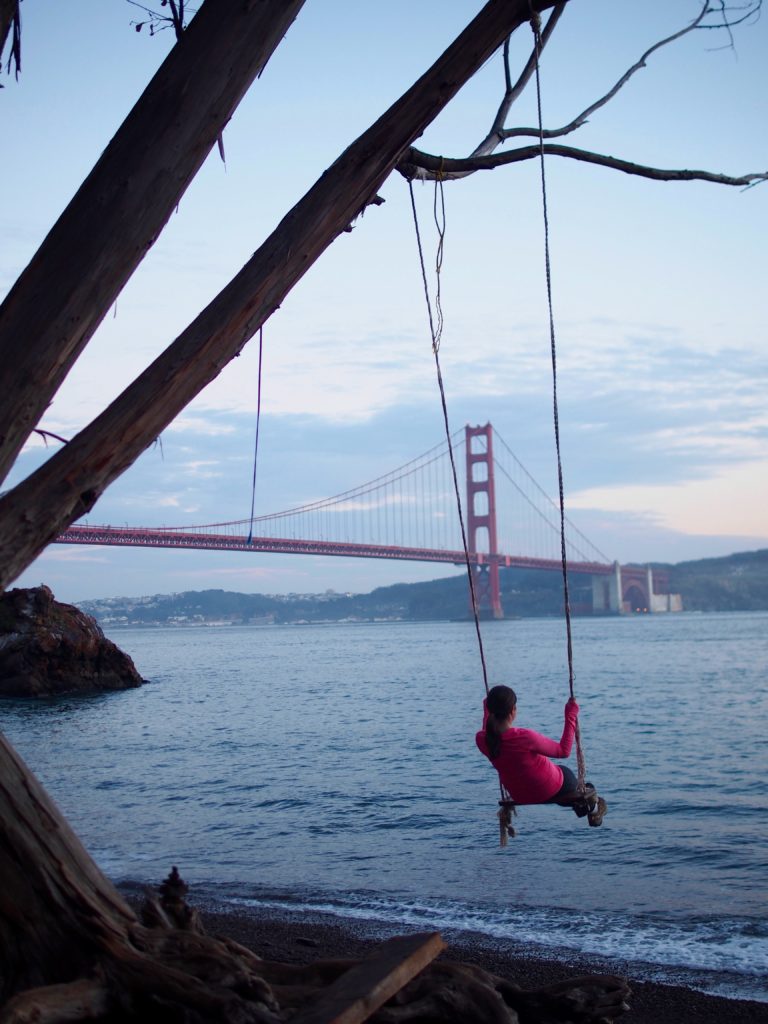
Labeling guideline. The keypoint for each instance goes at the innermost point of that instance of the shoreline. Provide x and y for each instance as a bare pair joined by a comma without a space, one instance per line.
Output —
300,938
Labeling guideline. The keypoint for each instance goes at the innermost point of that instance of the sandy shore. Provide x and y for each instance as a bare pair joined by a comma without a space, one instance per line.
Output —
298,939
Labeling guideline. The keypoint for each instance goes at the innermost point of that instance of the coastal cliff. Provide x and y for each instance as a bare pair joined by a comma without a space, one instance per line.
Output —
49,648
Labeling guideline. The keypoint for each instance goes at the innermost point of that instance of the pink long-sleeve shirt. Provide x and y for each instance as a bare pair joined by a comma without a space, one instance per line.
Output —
523,763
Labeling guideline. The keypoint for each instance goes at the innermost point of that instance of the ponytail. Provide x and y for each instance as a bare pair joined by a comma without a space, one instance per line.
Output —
493,737
500,702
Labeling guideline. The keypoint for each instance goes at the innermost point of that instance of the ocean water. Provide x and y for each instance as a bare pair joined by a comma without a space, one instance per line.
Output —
331,769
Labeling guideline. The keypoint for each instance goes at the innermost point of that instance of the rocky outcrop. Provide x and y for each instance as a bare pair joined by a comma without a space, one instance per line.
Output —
49,648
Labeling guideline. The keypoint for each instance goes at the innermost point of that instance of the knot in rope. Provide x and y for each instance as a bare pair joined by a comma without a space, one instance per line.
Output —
535,20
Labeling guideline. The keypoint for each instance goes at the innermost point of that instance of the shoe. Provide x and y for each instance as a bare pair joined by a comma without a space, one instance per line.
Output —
581,803
595,817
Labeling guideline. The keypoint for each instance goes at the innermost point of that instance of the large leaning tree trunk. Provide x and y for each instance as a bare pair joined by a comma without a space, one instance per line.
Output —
56,908
106,230
67,486
61,923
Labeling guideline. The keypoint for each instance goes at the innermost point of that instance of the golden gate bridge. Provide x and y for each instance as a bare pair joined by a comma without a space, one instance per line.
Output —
410,514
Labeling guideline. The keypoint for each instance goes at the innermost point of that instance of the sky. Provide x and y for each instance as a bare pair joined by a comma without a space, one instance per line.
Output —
659,287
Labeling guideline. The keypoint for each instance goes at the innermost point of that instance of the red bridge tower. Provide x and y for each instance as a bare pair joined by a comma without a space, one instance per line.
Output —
481,516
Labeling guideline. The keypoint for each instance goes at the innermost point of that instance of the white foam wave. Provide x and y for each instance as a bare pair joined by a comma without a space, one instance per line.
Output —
733,951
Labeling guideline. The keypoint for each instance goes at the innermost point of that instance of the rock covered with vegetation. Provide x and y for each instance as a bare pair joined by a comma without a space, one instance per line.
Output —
49,648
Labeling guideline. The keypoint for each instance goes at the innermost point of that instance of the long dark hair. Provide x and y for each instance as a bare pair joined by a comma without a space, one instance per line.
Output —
501,702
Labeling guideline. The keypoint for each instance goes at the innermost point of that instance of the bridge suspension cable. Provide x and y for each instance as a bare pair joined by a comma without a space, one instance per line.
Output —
409,513
408,506
545,509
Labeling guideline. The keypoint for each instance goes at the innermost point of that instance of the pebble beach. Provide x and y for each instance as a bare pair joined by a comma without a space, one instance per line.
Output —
296,939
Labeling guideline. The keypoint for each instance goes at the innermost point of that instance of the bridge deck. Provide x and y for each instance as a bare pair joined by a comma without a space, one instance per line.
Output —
159,538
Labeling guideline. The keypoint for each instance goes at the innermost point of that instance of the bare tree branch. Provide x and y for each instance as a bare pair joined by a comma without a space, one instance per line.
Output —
496,134
157,22
417,164
446,167
10,24
582,118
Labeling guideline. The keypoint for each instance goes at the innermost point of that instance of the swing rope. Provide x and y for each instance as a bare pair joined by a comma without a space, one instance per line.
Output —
580,762
256,445
436,334
506,804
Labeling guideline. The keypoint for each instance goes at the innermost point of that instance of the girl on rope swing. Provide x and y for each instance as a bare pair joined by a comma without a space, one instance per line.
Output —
522,758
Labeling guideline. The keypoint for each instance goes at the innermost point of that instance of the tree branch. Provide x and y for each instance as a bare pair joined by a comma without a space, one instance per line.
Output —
494,137
580,119
514,91
10,24
419,165
158,22
448,168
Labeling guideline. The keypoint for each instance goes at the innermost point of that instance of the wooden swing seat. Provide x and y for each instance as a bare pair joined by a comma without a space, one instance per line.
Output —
574,800
582,804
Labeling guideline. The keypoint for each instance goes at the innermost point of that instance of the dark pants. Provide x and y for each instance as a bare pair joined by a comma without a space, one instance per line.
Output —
568,787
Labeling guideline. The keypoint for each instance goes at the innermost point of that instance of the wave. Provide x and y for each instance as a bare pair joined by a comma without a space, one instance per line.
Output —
720,955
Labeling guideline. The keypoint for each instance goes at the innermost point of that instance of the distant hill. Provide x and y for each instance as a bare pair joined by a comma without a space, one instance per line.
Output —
734,583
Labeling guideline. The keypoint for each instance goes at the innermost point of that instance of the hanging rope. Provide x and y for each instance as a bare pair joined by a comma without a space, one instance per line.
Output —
506,804
436,334
580,763
256,445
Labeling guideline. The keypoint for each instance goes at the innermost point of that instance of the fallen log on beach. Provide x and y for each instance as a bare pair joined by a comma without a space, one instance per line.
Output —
165,967
399,981
449,993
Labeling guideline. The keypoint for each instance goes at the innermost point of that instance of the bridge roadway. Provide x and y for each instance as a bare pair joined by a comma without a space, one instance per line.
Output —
168,538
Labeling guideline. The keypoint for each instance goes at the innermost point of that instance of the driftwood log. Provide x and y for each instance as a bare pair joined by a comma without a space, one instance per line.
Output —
398,982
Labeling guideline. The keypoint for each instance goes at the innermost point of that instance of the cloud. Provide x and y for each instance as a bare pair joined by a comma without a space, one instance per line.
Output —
626,382
72,555
732,501
208,426
200,468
